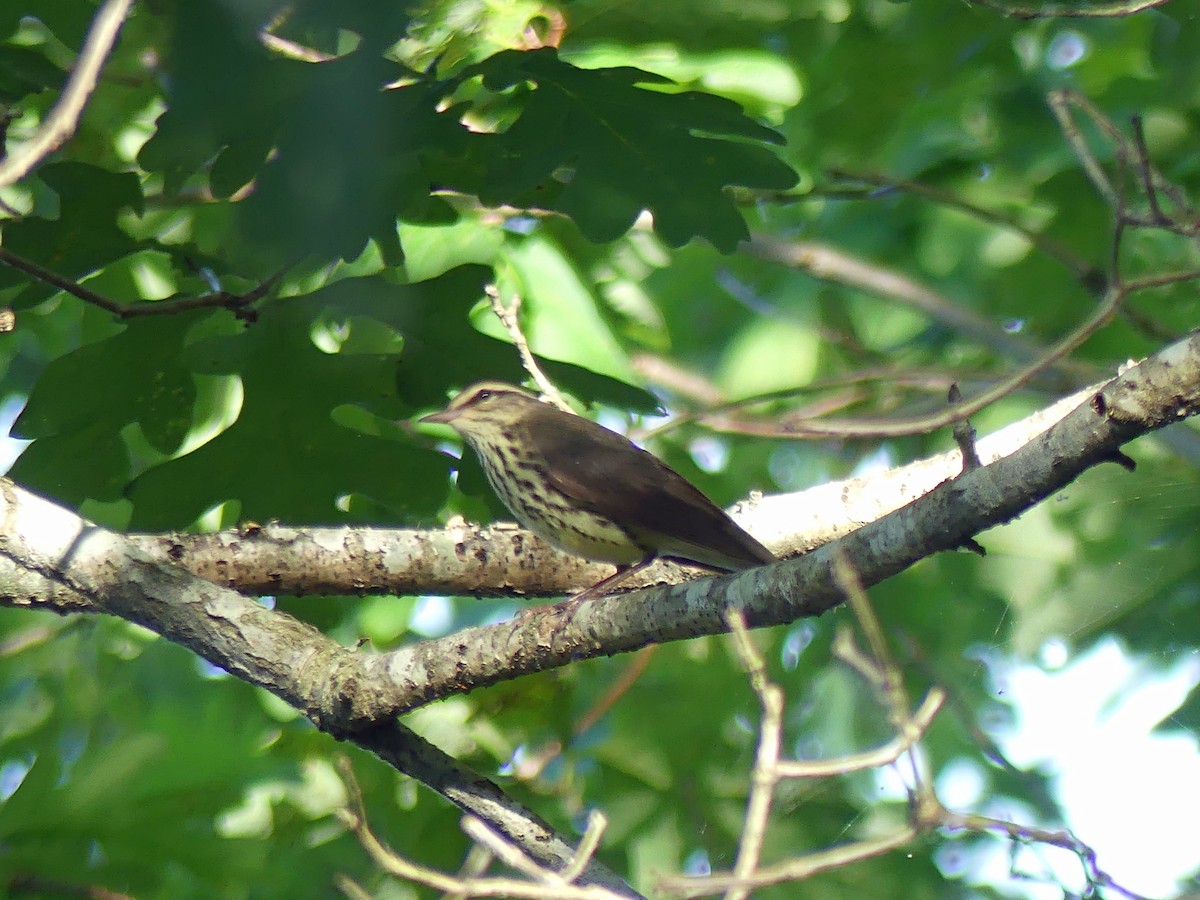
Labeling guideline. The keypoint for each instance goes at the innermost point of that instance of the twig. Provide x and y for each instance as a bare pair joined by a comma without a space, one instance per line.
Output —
542,882
964,434
286,48
852,387
880,428
769,769
1184,221
1163,280
350,887
883,755
765,775
504,850
796,869
927,814
241,305
1061,838
1056,250
60,124
536,763
354,817
508,314
475,865
831,264
890,682
1144,169
588,846
1054,11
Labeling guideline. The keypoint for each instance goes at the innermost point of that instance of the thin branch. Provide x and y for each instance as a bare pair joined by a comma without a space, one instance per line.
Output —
286,48
888,678
504,850
883,755
1144,169
1054,249
882,428
1054,837
927,814
241,305
509,316
831,264
769,769
478,860
1184,221
354,817
588,846
534,764
1164,279
853,388
543,882
1055,11
350,887
60,124
797,869
964,434
765,774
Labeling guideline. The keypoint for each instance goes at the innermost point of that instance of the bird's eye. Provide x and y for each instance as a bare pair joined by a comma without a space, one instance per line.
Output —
483,395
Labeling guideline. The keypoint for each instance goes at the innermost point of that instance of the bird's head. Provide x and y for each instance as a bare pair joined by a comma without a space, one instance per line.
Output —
484,408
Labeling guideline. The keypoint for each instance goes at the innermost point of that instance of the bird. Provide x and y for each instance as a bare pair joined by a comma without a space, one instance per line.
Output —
590,491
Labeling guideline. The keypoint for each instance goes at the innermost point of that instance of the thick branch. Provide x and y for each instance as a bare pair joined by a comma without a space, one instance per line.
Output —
344,691
1162,390
52,559
506,560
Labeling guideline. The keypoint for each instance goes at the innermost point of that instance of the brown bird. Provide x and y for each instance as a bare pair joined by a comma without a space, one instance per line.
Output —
590,491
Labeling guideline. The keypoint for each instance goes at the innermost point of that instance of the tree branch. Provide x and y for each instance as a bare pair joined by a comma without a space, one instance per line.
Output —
504,560
52,559
1162,390
241,305
60,124
344,692
1054,11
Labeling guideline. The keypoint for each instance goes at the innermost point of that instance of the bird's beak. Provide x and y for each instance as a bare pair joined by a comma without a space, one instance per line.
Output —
444,417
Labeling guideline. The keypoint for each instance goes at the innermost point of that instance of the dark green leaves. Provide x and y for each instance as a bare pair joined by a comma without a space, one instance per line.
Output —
337,151
578,127
351,159
83,236
86,398
314,414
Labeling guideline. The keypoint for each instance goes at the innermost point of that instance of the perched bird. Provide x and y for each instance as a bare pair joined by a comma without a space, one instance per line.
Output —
590,491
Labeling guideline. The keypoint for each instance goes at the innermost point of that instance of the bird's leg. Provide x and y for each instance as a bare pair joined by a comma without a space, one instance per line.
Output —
566,609
606,585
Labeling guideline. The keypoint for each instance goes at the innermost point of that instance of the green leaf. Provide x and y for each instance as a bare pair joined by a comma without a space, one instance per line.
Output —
286,432
135,376
83,237
349,160
84,399
224,89
24,71
67,19
675,152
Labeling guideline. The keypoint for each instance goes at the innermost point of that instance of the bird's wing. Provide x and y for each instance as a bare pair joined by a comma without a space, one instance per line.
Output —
604,472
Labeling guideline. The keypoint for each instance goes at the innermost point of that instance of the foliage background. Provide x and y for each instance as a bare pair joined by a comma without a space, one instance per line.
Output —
126,763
